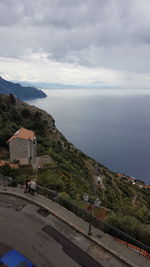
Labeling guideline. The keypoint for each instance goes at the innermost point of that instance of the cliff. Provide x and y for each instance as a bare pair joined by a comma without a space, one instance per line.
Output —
19,91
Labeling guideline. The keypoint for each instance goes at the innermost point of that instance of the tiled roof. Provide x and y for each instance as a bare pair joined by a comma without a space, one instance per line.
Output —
12,165
147,186
23,134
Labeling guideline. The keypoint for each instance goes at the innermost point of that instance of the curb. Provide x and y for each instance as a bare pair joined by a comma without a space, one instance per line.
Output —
116,254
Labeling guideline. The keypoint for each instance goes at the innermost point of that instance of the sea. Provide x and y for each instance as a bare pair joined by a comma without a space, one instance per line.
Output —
112,126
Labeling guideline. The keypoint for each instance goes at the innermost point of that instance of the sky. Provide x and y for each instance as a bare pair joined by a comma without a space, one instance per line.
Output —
102,43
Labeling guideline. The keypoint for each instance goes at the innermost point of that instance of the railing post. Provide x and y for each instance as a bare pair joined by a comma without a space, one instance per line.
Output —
90,223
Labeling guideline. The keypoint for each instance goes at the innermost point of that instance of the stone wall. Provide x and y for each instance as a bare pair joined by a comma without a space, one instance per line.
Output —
22,150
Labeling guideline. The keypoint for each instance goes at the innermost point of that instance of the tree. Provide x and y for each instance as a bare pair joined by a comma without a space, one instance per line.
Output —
12,99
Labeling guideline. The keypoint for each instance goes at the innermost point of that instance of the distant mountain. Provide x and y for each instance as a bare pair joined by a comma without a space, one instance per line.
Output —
21,92
47,85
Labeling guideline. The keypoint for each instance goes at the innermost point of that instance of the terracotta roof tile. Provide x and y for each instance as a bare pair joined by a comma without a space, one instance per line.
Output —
23,134
12,165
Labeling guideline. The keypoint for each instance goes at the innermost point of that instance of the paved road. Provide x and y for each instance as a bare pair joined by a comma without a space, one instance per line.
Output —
81,257
23,228
90,246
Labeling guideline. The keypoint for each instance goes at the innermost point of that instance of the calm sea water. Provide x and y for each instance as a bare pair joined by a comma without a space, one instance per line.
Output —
111,126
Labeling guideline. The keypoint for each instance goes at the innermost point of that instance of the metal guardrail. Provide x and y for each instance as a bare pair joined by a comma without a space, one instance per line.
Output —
100,224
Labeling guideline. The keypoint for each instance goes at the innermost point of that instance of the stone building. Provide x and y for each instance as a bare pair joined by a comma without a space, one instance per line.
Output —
22,147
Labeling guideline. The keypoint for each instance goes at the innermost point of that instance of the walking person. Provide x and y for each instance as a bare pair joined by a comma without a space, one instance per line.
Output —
33,186
27,187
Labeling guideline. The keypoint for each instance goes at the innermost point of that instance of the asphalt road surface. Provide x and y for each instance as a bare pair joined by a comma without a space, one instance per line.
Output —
70,248
40,236
46,240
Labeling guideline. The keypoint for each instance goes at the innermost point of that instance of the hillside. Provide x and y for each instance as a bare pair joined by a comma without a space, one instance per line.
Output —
19,91
125,204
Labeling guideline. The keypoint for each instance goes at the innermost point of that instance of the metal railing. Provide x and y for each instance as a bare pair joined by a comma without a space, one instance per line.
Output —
96,222
86,216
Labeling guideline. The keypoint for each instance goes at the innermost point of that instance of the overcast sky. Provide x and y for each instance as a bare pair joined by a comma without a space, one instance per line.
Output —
81,42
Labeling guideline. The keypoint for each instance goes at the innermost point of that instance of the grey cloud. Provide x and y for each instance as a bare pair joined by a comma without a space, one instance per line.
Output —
61,13
9,14
108,33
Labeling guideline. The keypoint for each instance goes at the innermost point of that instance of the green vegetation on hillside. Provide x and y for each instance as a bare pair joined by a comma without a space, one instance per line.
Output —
72,173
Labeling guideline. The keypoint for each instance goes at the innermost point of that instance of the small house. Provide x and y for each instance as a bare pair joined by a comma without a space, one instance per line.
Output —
22,147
